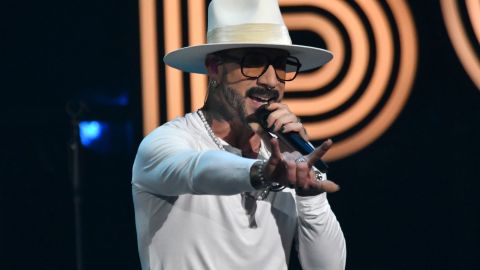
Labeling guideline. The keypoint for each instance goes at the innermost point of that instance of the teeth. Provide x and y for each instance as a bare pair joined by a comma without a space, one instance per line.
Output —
260,99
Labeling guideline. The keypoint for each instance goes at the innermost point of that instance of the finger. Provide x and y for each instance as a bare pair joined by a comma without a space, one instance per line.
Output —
302,174
275,159
291,171
291,166
319,152
284,170
289,156
279,116
276,105
295,127
276,153
274,109
327,186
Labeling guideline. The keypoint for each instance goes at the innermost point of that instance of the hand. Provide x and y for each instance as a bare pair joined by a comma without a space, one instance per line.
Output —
281,119
293,169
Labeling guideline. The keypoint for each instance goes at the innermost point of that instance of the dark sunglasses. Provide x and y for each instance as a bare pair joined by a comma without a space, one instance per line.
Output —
254,65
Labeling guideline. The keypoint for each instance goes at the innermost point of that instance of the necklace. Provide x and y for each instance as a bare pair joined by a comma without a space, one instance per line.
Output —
212,135
210,131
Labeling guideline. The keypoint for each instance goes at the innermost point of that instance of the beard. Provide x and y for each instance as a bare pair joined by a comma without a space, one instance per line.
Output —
224,103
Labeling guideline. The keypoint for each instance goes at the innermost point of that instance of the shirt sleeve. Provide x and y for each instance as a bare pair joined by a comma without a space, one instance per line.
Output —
321,244
169,162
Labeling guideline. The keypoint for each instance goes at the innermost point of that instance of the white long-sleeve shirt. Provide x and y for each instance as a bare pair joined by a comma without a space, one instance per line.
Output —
191,210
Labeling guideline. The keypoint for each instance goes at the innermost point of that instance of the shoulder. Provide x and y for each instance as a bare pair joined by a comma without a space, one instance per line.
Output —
186,130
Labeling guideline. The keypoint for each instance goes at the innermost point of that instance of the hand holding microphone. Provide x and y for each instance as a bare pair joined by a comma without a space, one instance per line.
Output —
288,135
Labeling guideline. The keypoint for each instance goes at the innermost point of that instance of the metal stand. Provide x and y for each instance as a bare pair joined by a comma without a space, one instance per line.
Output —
74,145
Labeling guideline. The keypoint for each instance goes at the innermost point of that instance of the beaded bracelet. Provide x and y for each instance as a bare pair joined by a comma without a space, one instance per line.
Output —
257,179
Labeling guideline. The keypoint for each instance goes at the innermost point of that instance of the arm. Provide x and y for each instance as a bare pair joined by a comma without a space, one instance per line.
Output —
321,244
169,163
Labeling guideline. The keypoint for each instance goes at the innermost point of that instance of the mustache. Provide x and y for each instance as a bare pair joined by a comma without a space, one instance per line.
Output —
264,93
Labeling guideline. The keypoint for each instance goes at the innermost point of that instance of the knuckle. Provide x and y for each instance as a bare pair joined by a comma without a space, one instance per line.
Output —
303,166
291,165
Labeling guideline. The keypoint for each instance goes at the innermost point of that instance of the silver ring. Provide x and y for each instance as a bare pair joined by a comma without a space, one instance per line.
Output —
300,159
318,176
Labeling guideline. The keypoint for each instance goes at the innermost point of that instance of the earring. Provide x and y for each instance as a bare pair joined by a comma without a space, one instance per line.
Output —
212,83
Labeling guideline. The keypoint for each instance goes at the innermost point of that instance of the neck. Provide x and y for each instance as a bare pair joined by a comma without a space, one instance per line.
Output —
235,133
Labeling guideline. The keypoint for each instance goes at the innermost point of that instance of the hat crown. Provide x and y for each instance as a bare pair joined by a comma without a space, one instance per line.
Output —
246,21
235,24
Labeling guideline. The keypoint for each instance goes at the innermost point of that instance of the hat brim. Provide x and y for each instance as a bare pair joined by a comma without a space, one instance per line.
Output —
192,59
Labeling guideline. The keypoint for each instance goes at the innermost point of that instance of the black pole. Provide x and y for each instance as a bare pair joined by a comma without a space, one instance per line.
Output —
74,112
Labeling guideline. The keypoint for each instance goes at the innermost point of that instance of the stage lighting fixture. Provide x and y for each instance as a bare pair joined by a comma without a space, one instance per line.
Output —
90,131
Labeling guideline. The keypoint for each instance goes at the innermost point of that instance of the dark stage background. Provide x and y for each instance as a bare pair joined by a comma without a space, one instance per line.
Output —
408,201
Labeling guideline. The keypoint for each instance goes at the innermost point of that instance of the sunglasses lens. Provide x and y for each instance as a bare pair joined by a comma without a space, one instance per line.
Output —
286,67
253,65
292,65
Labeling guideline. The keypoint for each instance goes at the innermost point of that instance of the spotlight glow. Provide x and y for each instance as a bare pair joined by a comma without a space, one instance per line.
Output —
90,131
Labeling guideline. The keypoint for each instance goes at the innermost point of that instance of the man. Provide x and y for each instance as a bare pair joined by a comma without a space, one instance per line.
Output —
211,189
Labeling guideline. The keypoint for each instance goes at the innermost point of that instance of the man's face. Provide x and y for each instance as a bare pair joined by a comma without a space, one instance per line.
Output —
248,89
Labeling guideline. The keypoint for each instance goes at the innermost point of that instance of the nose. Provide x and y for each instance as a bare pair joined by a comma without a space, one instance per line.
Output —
269,78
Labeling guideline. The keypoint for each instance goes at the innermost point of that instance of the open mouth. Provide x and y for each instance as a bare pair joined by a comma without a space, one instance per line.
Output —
262,99
262,95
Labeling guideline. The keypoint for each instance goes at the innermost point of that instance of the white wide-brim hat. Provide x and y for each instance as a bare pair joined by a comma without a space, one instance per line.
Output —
234,24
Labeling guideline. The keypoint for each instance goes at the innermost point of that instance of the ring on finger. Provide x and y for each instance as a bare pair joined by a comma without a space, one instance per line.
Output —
300,159
318,176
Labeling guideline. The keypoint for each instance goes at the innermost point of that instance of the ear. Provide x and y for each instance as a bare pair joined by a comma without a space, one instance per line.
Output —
212,63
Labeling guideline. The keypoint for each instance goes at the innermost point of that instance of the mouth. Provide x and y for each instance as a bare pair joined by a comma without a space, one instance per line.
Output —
262,99
262,95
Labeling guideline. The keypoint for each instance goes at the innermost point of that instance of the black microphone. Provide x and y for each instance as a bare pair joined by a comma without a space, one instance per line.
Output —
292,139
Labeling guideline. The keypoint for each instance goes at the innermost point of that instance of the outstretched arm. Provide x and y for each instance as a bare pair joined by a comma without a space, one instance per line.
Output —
170,162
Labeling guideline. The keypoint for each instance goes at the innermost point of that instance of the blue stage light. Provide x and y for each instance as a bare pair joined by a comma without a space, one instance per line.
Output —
121,100
90,131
